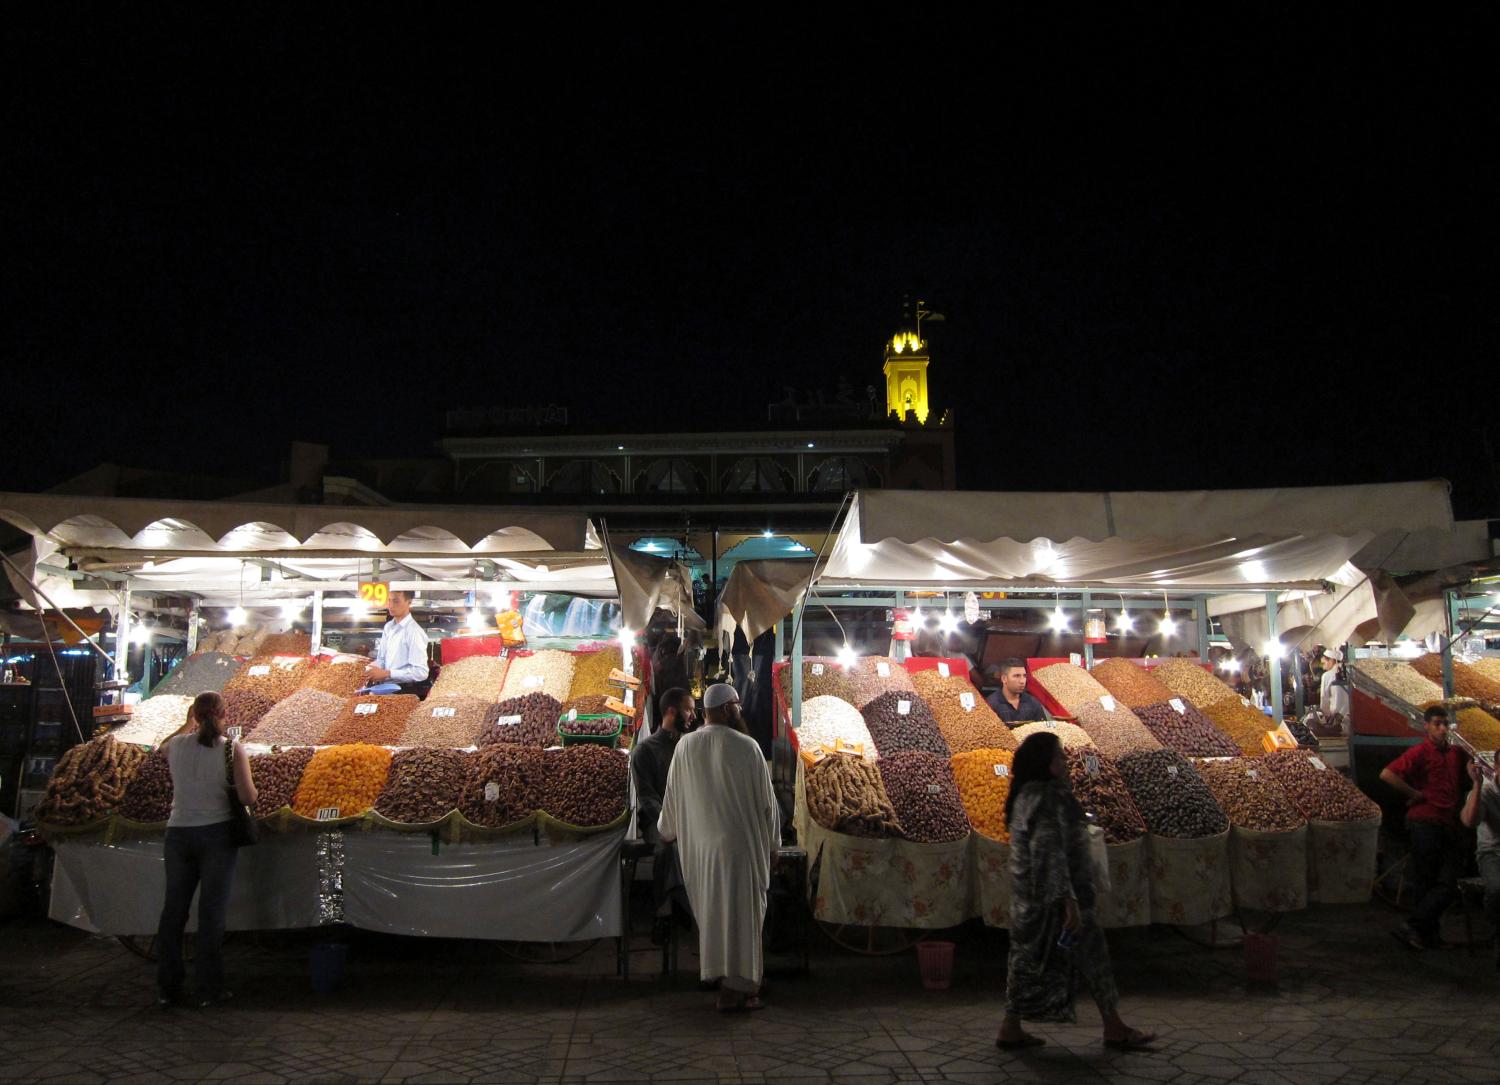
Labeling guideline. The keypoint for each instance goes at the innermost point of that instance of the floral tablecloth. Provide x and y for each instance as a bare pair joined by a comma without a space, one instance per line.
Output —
1341,860
1189,878
1269,870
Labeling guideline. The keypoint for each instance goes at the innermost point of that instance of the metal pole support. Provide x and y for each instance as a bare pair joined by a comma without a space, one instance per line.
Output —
1273,661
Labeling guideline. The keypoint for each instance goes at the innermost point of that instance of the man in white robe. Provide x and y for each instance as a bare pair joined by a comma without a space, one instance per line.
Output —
721,810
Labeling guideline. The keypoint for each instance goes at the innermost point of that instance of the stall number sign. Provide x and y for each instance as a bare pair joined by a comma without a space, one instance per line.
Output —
366,709
1108,703
374,593
1091,763
492,792
444,713
1176,702
967,701
1317,763
259,671
328,813
942,670
817,669
531,681
903,708
507,721
883,670
1002,771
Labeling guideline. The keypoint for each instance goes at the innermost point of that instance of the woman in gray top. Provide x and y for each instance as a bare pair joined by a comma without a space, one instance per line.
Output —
198,850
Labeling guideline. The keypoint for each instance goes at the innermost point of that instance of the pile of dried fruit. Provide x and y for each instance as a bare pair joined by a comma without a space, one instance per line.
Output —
1400,680
1467,682
1100,789
845,794
503,785
340,677
983,778
300,720
154,720
1244,725
591,673
901,721
526,721
1247,791
89,781
245,708
1302,733
924,795
964,719
1070,735
588,725
1187,731
589,705
1190,680
378,718
1479,728
275,677
1130,683
344,780
287,644
873,675
548,671
1070,686
584,785
472,676
826,721
204,672
1320,793
1170,795
276,775
453,719
424,785
148,796
1115,733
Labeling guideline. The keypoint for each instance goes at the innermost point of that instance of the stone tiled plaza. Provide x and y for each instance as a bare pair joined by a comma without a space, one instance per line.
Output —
1351,1007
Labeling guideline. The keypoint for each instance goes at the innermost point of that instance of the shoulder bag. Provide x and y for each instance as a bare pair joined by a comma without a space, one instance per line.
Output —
244,830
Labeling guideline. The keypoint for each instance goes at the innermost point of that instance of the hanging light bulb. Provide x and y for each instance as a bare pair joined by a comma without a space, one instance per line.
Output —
1272,649
141,635
476,619
358,607
627,635
1058,620
1232,666
917,618
948,621
1168,625
1124,623
846,657
290,608
237,616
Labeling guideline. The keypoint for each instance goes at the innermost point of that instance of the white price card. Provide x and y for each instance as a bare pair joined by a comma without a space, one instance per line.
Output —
234,732
1075,659
1051,725
1246,702
1176,702
883,669
1253,774
491,792
1091,762
903,708
366,709
1002,771
1172,771
933,789
260,670
1108,702
531,681
966,701
444,713
572,715
507,721
817,669
942,669
328,813
286,663
1317,763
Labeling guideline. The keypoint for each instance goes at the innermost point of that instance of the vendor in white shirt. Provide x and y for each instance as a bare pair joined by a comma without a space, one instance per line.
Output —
401,655
1333,698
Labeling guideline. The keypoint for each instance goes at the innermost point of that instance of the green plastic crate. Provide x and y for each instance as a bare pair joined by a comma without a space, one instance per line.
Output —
611,740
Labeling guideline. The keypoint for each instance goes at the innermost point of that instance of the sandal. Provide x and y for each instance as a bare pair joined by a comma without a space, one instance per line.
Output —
746,1004
1134,1040
1026,1040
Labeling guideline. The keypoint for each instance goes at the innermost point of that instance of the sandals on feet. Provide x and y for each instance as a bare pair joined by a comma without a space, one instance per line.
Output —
1134,1040
1026,1040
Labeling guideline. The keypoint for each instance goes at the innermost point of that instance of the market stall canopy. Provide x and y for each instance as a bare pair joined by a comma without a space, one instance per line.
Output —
759,594
1207,540
648,584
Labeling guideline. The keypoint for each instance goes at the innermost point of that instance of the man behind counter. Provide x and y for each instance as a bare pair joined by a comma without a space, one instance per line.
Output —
401,655
1011,702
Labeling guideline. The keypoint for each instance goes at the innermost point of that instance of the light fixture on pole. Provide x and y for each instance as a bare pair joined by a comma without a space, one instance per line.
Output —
1168,624
846,657
1123,622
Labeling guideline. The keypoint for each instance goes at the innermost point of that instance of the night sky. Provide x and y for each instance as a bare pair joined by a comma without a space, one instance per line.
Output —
1175,247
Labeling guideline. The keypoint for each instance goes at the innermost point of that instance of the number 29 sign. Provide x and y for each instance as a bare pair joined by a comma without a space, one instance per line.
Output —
375,593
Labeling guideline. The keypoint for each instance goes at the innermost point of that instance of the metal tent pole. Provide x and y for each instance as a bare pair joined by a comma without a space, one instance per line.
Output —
1273,658
122,637
1083,618
1200,619
317,622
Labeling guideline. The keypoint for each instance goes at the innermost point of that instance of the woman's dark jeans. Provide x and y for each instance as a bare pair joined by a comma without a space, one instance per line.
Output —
199,858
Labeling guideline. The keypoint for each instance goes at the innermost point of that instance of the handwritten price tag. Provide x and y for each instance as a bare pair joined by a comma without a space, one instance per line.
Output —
1317,763
1108,703
883,669
942,669
903,708
934,789
966,701
492,792
1176,702
1172,771
328,813
572,715
1002,771
259,671
1091,763
532,681
1253,774
507,721
234,732
817,669
366,709
444,713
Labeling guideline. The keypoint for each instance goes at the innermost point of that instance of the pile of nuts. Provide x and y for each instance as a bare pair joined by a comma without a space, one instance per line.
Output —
983,778
89,781
148,796
300,720
827,721
275,677
1130,683
343,779
820,678
472,676
526,721
591,673
245,708
1171,796
584,785
203,672
845,794
1070,735
154,720
287,644
1317,790
873,675
1401,680
924,795
1115,733
276,775
374,717
503,786
548,671
1099,788
341,678
1244,725
424,785
1070,686
1248,792
1190,680
452,719
963,718
1188,731
901,721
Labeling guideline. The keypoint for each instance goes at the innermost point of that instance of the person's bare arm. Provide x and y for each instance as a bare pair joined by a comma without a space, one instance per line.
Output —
1411,794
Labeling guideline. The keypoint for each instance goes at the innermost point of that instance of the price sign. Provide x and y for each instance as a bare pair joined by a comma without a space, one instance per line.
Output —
934,789
903,708
444,713
1317,763
883,669
492,792
1075,659
234,732
1253,774
1002,771
374,593
366,709
966,701
507,721
286,663
259,671
1051,725
572,715
817,669
1108,703
531,681
1172,771
1176,702
942,669
328,813
1091,762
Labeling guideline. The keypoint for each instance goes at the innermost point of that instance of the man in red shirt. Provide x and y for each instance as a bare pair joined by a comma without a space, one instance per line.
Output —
1431,776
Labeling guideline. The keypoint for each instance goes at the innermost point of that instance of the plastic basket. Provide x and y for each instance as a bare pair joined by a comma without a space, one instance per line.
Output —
610,740
935,959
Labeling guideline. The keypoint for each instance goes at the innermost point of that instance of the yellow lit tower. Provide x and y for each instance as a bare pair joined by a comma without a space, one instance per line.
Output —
906,372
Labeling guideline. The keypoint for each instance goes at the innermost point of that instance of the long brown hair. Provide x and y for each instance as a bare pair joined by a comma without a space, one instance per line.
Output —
206,711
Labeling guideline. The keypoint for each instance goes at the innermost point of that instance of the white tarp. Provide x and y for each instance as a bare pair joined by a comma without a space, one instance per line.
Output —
759,594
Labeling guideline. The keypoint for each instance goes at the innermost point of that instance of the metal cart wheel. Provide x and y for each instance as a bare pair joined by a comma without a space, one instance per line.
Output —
546,952
872,941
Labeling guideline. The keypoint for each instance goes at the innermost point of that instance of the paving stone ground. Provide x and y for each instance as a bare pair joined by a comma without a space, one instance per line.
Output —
1351,1007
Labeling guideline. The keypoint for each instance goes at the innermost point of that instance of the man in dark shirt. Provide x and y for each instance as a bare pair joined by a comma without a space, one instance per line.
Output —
649,763
1431,776
1011,702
